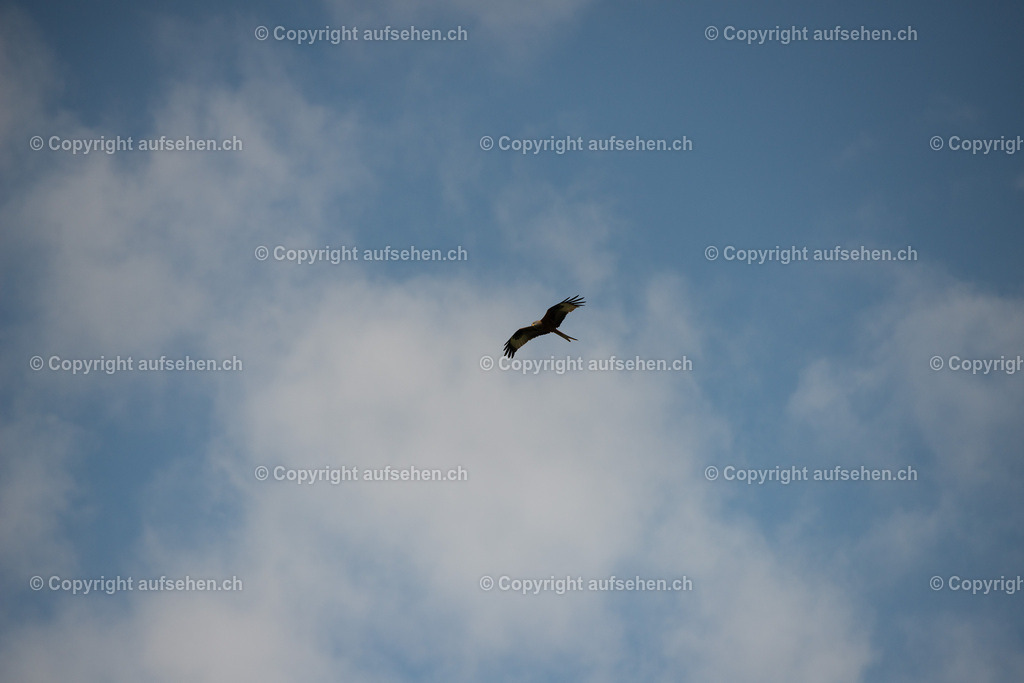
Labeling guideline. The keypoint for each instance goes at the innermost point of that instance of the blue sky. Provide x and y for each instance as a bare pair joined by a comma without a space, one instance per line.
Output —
388,364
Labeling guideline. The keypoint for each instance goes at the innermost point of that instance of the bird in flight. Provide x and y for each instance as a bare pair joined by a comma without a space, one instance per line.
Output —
549,323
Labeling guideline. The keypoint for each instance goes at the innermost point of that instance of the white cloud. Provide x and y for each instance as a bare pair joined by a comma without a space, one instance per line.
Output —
965,419
37,492
567,239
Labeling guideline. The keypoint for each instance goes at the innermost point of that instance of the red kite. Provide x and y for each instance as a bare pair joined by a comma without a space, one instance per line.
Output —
549,323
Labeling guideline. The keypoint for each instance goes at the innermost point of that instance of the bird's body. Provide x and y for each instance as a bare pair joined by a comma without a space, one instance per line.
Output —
549,323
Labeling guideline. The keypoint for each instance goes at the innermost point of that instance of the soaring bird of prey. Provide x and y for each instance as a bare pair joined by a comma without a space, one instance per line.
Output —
549,323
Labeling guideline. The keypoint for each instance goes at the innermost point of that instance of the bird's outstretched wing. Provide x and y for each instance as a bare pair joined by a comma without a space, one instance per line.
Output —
521,336
556,314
